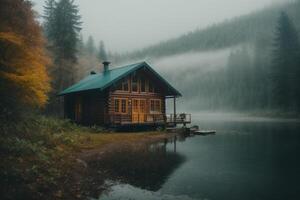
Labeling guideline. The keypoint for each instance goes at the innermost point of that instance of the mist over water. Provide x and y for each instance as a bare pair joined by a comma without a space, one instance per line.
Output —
174,66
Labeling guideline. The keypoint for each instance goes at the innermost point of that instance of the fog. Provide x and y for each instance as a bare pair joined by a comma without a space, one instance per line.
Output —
185,70
201,61
216,53
133,24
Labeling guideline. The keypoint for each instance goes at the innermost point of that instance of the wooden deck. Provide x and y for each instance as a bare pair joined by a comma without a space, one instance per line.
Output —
149,119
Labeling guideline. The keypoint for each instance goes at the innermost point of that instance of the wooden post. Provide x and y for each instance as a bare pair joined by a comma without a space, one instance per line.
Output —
175,140
174,110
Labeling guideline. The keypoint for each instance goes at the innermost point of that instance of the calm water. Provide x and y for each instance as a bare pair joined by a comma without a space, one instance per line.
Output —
246,159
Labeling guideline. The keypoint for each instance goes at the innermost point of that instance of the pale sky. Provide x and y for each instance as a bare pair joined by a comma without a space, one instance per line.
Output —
125,25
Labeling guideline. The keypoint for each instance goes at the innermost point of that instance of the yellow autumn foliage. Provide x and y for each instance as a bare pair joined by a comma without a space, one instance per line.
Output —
23,74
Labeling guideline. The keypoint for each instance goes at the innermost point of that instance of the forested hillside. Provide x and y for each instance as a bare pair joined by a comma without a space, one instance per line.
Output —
247,28
258,72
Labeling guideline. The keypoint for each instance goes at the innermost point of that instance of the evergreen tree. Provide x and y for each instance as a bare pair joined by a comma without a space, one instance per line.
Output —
49,9
66,27
62,26
90,45
285,64
80,45
102,55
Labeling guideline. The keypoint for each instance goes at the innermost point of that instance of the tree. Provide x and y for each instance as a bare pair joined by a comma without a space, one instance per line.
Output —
24,82
49,9
102,55
66,29
90,45
285,64
62,26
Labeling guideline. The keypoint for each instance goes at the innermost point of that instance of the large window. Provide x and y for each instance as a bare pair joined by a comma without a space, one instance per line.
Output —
155,105
121,106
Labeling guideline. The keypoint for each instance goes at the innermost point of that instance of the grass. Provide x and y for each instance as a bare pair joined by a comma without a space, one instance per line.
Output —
38,153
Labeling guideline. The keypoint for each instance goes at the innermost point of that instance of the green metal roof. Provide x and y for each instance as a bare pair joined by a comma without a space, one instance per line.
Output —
103,80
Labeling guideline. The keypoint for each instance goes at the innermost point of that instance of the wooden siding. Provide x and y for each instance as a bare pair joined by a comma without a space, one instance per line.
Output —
93,107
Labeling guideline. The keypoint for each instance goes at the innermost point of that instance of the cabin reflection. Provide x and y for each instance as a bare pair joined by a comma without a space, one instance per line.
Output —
143,166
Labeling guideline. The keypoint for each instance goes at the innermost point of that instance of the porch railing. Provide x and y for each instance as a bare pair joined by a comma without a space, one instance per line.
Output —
148,119
182,118
135,119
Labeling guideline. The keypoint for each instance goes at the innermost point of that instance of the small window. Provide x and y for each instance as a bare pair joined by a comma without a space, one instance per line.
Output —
124,106
123,86
155,105
117,105
151,87
152,105
143,85
121,105
134,84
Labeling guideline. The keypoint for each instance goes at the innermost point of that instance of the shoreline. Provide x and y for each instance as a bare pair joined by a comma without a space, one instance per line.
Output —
85,180
42,156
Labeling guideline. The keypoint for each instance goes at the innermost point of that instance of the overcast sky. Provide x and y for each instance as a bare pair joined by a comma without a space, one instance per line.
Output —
125,25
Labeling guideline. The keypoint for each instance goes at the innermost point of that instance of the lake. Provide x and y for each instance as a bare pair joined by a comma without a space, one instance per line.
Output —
248,158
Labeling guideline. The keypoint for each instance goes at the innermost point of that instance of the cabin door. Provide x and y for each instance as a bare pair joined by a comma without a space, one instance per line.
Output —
78,110
138,110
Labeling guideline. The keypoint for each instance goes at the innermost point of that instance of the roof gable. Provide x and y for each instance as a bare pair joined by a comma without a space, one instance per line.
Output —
104,80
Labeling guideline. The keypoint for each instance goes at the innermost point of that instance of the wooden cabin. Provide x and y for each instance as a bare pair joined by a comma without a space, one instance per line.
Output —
130,95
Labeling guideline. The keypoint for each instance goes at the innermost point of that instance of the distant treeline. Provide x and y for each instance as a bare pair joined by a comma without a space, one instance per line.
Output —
260,76
247,28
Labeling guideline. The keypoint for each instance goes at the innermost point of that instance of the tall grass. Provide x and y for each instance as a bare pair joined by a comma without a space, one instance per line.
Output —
33,156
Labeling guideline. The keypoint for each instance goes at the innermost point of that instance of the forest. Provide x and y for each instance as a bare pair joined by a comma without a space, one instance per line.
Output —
259,71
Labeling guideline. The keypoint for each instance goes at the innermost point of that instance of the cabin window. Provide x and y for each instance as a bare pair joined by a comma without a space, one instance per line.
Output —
155,105
134,84
143,85
124,85
152,105
117,105
121,105
151,87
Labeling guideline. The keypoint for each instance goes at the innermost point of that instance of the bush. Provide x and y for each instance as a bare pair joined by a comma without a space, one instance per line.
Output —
34,155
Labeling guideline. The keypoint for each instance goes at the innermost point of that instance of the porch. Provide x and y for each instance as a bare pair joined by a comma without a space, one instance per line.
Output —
148,119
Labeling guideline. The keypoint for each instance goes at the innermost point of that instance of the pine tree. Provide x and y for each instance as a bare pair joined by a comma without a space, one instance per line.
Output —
62,26
90,45
285,64
24,82
66,27
102,55
48,16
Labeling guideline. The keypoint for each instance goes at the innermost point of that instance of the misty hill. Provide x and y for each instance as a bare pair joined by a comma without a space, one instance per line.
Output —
244,29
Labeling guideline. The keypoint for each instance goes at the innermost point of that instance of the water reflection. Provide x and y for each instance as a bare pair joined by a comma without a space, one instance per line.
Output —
244,160
146,166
